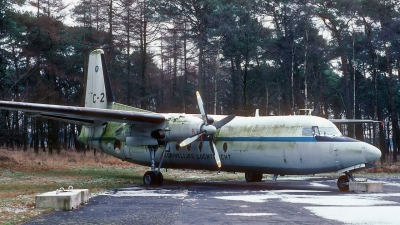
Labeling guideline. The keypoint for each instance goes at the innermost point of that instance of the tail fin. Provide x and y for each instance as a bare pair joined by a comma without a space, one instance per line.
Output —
98,87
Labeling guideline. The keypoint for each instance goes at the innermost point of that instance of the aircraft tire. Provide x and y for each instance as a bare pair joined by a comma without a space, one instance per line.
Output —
343,183
253,177
259,177
160,179
149,178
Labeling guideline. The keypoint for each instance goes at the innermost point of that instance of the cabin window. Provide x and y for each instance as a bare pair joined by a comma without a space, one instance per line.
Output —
188,147
200,146
177,146
225,147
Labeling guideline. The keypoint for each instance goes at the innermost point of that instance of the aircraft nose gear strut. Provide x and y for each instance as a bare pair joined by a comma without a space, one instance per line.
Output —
154,177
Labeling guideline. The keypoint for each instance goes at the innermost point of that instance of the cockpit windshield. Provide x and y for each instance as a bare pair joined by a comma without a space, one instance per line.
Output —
320,131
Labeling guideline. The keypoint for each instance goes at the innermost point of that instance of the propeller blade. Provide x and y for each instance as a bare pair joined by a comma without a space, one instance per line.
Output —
216,155
190,139
201,107
224,121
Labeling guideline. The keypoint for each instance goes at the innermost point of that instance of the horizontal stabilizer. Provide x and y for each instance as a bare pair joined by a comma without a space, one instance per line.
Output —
352,121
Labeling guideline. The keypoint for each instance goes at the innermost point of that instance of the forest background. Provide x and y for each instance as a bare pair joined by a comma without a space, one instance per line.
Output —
341,58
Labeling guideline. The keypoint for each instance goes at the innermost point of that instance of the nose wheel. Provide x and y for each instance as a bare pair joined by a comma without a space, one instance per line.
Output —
343,181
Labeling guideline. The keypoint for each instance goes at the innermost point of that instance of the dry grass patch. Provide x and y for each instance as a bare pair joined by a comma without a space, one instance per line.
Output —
26,174
386,167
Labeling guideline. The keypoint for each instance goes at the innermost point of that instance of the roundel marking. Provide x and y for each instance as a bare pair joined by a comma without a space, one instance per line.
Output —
96,69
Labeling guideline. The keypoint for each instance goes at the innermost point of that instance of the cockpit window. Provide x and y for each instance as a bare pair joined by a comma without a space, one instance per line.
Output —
329,131
320,131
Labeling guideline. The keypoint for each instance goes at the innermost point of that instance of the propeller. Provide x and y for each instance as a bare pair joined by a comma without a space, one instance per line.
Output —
208,129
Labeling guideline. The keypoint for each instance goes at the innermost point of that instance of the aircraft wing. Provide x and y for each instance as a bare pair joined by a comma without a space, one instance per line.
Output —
352,121
83,115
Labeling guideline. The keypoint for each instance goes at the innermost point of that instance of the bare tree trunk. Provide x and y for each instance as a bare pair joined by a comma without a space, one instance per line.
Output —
143,52
238,89
36,136
42,135
110,33
185,66
292,77
393,110
305,71
233,79
25,132
200,75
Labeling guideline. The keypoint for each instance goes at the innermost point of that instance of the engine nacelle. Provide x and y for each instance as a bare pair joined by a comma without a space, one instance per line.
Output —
179,128
124,133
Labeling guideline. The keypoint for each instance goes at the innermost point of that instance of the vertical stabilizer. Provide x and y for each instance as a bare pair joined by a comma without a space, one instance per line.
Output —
98,87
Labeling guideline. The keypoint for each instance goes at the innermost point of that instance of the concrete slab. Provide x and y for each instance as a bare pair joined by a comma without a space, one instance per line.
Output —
84,196
366,186
63,200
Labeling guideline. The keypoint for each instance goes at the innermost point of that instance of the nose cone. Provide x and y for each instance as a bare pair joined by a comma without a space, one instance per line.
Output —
371,153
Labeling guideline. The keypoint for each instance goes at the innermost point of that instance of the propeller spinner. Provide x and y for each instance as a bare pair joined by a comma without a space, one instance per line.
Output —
208,129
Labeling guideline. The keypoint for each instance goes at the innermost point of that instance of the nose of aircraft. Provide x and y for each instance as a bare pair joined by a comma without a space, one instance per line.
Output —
371,153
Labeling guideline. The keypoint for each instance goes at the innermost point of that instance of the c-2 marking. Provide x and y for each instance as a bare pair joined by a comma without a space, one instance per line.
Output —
101,100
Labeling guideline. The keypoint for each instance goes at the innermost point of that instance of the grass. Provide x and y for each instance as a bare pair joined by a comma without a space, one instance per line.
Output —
26,174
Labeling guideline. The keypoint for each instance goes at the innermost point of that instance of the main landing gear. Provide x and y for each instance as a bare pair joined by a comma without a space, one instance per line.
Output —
343,181
151,178
154,177
253,177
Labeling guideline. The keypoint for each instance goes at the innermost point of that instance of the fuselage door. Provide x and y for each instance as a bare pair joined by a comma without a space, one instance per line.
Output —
126,149
335,152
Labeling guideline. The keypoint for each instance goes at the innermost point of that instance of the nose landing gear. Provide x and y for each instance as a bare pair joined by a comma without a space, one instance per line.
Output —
343,181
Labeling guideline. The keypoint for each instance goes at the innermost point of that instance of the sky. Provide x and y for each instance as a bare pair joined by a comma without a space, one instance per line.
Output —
68,20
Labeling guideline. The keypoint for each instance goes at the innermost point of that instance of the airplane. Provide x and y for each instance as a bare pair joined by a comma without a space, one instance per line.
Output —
278,145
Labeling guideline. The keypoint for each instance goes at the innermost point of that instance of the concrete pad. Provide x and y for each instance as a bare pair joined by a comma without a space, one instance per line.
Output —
365,186
64,200
84,196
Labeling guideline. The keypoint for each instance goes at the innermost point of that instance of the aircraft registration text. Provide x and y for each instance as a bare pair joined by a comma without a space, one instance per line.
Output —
195,156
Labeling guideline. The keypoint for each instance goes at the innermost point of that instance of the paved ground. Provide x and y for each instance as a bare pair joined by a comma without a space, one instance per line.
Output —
298,200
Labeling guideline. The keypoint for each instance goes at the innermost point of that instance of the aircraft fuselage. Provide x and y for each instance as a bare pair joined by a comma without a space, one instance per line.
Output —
274,145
